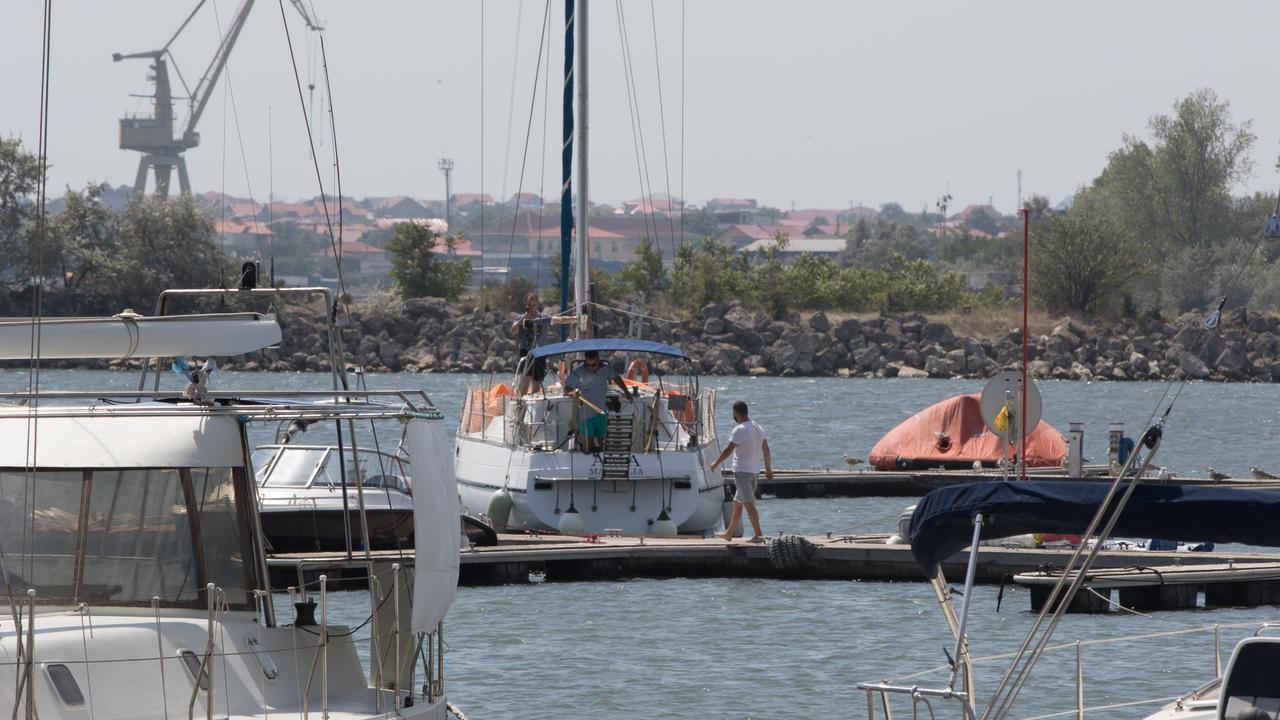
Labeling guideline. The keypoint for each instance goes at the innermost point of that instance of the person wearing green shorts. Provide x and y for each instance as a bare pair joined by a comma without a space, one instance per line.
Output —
589,382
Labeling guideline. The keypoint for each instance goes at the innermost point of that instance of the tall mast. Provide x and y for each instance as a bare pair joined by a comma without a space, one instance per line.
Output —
566,163
582,275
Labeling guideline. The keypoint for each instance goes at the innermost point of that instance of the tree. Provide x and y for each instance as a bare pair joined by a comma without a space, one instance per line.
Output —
1080,263
19,178
418,270
646,274
983,220
161,245
892,212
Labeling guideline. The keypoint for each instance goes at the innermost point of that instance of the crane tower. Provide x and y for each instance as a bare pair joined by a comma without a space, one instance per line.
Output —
153,135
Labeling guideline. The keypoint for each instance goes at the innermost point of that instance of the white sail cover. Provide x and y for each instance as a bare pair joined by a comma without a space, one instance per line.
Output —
133,336
119,441
436,522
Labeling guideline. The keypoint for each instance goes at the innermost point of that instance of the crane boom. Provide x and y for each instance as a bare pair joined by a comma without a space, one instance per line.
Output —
204,88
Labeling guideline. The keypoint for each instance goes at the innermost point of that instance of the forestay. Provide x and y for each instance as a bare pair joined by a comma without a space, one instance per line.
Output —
942,524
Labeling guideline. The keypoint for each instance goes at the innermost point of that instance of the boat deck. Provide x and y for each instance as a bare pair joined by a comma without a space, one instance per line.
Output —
1165,586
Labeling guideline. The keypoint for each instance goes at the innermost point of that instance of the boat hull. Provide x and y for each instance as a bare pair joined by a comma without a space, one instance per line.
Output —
543,485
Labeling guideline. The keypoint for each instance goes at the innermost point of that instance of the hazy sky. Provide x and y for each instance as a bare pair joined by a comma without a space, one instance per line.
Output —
820,104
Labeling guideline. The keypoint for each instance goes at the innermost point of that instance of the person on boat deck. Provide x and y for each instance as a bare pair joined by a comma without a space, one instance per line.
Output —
589,382
530,329
750,449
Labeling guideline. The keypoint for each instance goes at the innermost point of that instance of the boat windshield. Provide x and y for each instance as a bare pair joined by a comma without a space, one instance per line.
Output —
123,536
295,466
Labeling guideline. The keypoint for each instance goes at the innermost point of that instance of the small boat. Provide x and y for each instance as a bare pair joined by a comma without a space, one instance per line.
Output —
303,507
952,435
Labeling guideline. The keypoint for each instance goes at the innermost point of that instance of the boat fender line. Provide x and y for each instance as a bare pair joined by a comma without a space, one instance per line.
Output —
453,709
791,552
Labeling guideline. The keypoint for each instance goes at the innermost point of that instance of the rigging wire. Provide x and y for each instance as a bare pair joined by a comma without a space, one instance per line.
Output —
631,102
482,117
542,172
662,115
511,112
528,131
629,68
683,202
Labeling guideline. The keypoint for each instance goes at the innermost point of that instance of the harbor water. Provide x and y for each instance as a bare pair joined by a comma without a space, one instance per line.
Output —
728,648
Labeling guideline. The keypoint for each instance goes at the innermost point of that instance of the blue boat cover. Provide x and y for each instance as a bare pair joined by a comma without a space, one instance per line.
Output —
942,524
628,345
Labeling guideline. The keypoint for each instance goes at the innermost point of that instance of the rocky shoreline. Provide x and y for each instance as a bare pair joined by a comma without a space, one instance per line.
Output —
432,335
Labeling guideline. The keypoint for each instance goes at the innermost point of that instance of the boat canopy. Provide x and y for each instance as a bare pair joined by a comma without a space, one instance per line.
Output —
628,345
952,434
101,439
134,336
942,524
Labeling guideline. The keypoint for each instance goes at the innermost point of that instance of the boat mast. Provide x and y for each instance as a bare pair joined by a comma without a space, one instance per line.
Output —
566,163
581,276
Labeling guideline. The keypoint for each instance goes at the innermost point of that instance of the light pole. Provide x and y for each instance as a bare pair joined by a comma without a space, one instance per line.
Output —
446,167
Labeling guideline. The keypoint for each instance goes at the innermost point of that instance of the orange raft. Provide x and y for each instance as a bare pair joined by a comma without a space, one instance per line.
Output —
952,435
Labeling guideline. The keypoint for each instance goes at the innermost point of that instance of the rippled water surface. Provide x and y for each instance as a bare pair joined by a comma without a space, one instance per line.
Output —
722,648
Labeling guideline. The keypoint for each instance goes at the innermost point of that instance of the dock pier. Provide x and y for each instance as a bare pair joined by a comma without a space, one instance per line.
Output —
1166,586
520,559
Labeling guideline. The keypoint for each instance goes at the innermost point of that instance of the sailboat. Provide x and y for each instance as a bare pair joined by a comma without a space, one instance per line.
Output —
518,457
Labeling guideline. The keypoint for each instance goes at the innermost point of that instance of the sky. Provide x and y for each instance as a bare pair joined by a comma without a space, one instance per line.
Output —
808,104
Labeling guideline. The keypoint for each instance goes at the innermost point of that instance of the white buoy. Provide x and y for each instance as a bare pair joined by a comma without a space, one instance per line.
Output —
894,539
499,510
663,526
571,522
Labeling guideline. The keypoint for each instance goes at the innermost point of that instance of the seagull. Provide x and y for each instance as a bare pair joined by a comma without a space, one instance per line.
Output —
1216,475
1262,474
851,461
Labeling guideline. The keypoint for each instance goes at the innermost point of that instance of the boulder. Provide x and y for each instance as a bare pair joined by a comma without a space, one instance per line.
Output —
937,367
713,326
848,330
1193,366
937,333
867,357
714,310
906,371
819,323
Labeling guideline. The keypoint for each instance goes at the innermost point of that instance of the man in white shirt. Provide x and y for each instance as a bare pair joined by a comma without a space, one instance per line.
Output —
750,449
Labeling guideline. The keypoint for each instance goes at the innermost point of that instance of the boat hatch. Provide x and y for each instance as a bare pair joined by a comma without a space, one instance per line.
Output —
1250,691
64,683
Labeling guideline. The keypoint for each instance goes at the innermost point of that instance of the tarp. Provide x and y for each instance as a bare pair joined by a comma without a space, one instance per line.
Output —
942,524
628,345
952,434
436,524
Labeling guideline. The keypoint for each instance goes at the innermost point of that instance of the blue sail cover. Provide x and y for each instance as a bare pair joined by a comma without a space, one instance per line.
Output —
942,524
627,345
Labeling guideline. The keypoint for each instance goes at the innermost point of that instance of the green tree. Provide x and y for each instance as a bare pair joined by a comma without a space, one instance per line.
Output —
418,270
983,220
164,245
19,178
1081,263
646,274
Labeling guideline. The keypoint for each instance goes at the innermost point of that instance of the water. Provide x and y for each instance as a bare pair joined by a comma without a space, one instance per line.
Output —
723,648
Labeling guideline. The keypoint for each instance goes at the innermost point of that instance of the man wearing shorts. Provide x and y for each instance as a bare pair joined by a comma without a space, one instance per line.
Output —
530,329
750,450
589,382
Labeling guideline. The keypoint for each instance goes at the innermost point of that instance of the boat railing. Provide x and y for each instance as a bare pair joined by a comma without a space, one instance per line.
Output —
263,405
880,694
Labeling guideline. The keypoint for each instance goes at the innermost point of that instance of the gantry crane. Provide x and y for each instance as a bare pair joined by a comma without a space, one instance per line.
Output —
153,135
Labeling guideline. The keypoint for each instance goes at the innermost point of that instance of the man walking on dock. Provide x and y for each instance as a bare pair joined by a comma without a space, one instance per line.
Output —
750,449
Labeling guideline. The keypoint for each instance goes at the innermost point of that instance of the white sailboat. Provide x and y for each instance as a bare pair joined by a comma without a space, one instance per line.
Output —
517,459
135,576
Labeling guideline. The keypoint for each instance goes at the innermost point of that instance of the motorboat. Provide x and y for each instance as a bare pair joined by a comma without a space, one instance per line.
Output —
304,508
135,566
520,464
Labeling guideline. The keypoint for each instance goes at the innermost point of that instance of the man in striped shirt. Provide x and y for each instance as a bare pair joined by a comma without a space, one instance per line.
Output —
589,382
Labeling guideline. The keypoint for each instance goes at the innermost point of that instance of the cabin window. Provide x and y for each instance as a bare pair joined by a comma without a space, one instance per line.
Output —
64,683
198,674
39,527
125,536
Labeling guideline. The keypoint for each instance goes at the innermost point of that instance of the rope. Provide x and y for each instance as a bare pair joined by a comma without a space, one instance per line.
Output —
528,132
511,111
632,313
542,171
1115,604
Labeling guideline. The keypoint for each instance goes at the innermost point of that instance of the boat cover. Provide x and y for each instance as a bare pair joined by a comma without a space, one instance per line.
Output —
942,524
629,345
133,336
436,528
952,434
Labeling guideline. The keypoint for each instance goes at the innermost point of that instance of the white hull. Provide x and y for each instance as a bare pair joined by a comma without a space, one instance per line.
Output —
542,485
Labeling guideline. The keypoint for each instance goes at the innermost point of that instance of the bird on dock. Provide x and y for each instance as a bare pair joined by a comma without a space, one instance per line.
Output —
1259,474
1217,475
851,461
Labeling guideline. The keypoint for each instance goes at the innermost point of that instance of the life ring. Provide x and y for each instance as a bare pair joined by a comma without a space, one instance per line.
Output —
638,368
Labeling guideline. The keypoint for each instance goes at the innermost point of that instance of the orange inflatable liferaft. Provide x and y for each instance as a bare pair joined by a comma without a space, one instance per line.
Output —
951,434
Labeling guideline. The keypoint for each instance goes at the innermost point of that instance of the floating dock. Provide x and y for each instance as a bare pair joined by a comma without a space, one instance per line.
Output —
1164,586
519,559
828,482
